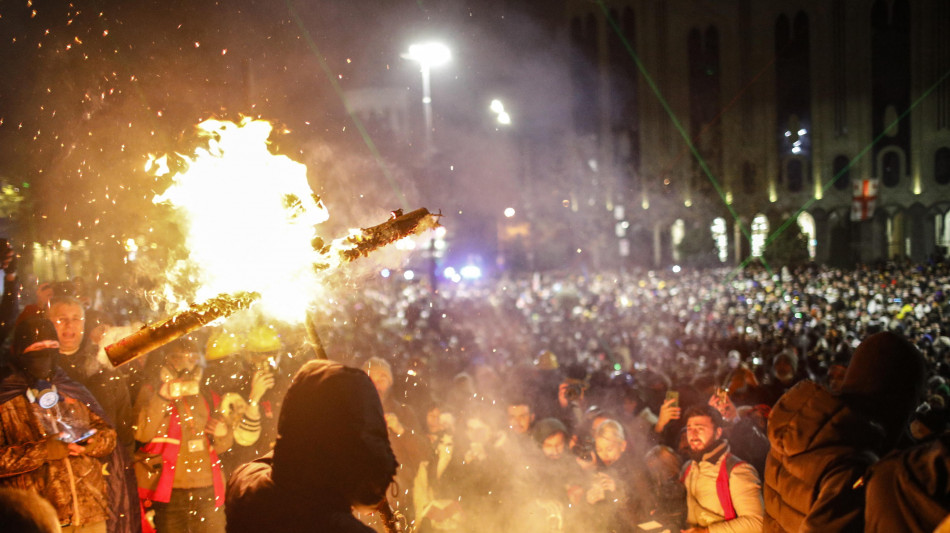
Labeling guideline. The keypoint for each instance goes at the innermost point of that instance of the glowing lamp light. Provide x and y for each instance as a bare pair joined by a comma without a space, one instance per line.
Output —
504,118
409,275
676,269
496,106
470,272
449,273
429,54
509,212
385,273
65,245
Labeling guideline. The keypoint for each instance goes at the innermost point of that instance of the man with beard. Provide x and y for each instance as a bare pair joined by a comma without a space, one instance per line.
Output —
723,494
558,476
52,432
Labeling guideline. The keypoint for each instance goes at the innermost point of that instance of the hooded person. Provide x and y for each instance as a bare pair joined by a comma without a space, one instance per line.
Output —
54,433
823,444
332,454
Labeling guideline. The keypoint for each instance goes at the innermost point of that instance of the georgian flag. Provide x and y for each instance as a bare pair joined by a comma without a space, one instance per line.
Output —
864,196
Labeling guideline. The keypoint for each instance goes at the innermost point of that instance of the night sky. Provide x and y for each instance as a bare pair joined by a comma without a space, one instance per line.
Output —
91,88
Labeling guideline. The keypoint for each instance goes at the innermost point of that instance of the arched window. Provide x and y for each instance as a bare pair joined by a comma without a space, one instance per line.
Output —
807,222
677,232
841,172
942,223
942,166
719,234
891,168
760,232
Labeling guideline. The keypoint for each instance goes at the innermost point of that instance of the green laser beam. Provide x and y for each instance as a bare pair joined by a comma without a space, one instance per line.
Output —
346,106
676,123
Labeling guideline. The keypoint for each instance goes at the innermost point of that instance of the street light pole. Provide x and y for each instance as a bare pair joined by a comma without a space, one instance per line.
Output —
428,55
427,108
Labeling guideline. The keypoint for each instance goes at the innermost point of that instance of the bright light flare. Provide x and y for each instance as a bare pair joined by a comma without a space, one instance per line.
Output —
470,272
248,219
429,55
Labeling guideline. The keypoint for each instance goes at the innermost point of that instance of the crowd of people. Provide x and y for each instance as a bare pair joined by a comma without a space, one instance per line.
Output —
710,400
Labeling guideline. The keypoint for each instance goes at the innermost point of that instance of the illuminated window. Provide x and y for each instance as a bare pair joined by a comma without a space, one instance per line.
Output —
807,223
760,232
718,230
677,232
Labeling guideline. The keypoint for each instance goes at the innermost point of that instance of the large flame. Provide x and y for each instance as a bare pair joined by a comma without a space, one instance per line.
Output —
248,219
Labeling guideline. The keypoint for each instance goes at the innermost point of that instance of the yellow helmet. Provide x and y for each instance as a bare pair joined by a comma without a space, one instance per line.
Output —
546,360
223,344
263,339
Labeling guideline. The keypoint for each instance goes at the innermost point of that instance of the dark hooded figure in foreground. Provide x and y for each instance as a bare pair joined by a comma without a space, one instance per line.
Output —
823,444
332,453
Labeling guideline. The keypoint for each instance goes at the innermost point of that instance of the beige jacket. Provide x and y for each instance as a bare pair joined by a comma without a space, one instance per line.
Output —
704,508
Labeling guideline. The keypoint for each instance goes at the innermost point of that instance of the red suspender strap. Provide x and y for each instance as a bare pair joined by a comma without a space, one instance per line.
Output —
722,487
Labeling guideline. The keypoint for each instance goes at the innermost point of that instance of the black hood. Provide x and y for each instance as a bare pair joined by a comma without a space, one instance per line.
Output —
333,441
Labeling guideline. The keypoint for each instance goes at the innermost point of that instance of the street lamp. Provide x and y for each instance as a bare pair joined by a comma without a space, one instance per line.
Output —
428,55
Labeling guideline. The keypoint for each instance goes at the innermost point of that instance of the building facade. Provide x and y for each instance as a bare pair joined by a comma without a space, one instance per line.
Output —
731,117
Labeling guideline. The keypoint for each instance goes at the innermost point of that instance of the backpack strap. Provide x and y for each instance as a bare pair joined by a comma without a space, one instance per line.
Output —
685,471
729,462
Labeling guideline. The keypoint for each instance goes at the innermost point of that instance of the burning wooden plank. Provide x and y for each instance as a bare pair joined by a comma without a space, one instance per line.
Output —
341,251
153,336
399,226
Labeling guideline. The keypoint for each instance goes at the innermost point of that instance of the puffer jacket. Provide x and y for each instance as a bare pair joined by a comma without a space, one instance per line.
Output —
74,485
820,452
909,491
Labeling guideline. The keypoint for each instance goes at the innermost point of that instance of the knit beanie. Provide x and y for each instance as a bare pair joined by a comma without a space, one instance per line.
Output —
30,331
547,427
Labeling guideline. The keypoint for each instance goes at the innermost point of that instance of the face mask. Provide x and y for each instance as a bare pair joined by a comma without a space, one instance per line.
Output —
38,364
